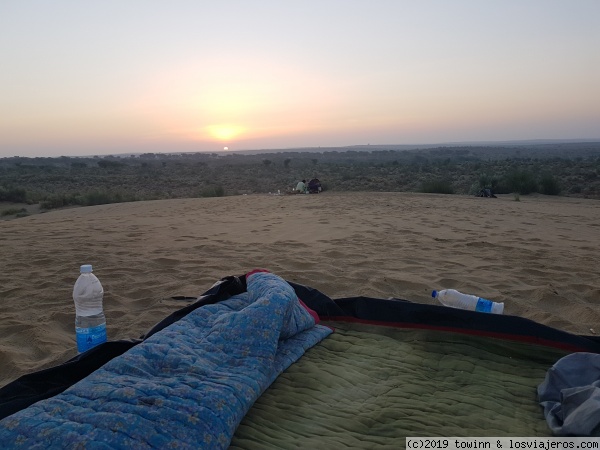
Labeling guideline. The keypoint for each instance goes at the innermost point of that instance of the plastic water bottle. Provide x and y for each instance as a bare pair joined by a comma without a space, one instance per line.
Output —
455,299
90,323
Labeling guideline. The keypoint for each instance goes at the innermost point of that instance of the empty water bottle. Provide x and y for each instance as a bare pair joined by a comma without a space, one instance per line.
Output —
455,299
90,322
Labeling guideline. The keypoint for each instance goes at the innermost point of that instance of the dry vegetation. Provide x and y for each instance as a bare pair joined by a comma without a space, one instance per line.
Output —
552,169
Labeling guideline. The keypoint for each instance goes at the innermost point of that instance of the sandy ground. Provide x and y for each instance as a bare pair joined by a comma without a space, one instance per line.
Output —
540,256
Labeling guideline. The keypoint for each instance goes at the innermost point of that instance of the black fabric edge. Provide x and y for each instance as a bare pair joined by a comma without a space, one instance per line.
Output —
46,383
406,313
36,386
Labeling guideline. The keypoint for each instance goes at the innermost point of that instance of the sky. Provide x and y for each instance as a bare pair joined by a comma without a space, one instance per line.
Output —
128,76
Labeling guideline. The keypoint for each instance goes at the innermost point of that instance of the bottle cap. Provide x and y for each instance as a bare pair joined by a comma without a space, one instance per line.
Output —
86,268
434,294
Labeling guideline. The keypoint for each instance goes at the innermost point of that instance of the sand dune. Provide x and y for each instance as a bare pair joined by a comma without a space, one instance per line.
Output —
540,256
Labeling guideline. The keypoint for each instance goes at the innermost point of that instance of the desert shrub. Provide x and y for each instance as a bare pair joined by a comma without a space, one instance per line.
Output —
99,198
437,187
549,185
487,181
520,181
103,197
13,194
575,189
13,211
475,188
212,191
59,200
502,187
96,197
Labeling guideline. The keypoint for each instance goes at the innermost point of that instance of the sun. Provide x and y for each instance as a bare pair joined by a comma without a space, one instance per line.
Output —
225,148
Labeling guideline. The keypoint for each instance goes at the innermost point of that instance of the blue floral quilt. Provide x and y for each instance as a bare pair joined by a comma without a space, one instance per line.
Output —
187,386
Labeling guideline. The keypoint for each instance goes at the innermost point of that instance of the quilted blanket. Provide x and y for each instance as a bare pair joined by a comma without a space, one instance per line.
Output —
187,386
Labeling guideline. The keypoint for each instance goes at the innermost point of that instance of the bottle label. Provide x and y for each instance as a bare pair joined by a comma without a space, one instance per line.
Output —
484,305
90,337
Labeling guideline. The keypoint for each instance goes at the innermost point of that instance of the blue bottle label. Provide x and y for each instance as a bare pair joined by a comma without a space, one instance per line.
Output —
90,337
483,305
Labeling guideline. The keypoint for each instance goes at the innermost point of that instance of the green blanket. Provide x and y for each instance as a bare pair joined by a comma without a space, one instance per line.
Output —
370,386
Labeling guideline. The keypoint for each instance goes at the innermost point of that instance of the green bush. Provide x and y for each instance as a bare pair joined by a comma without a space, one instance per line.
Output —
549,185
99,198
437,187
96,197
13,194
58,201
105,197
475,188
212,191
519,181
13,211
487,181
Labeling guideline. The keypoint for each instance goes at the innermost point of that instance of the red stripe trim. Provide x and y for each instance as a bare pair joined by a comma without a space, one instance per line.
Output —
492,334
312,312
257,271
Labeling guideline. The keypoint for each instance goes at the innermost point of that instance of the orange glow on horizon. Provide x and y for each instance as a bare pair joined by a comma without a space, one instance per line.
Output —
224,132
225,106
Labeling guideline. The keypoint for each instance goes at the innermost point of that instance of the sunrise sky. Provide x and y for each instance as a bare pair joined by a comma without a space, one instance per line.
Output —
122,76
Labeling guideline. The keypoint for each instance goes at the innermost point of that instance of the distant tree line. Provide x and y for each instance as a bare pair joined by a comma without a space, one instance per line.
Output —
572,170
